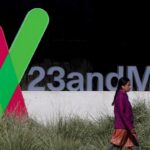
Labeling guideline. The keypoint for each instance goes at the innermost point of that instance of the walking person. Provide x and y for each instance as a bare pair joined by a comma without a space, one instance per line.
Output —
124,134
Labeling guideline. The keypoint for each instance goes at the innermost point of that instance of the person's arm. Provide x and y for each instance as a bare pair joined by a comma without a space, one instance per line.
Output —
129,126
122,104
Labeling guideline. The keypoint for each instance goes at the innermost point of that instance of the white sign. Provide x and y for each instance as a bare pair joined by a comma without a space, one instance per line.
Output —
48,106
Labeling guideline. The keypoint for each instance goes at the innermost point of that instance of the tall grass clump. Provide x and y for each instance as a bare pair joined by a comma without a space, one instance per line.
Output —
69,134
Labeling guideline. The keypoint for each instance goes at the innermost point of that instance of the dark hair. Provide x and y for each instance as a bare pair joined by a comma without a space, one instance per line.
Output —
122,81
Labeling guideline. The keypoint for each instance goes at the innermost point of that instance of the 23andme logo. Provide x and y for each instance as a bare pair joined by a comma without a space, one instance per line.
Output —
14,62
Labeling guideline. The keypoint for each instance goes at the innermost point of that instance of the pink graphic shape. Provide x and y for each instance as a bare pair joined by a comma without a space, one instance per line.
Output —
16,105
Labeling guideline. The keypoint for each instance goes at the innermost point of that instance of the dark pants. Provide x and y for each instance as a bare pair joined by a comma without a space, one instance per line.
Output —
115,147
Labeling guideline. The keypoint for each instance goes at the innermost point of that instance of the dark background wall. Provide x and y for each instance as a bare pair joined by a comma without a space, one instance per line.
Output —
79,29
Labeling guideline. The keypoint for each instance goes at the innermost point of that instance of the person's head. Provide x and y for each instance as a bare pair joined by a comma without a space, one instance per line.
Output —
123,84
